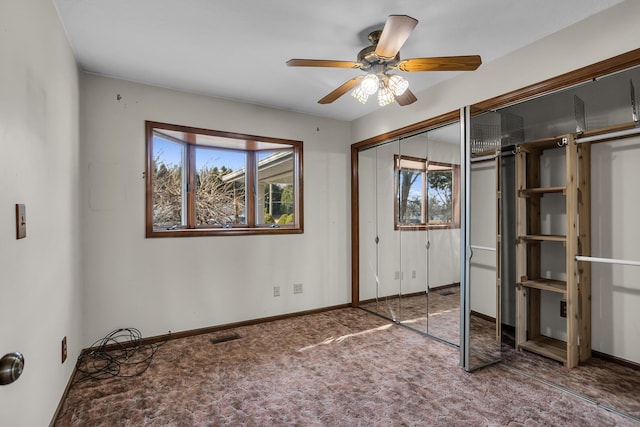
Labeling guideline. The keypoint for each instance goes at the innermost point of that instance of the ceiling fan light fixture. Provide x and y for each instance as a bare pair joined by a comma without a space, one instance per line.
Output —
359,94
398,85
385,96
382,57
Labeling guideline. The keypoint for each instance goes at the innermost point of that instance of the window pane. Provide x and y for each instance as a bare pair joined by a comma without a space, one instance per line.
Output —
220,187
276,188
168,183
439,185
410,194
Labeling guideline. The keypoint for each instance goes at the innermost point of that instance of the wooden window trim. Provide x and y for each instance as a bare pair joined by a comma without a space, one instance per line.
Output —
251,144
455,195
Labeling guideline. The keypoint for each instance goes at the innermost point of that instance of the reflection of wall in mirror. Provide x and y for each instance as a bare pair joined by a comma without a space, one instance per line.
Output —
403,264
482,230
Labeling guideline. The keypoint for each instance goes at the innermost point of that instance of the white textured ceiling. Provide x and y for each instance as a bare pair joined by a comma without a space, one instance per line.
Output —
237,49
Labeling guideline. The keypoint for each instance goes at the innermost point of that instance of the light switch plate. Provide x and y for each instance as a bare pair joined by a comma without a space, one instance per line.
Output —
21,222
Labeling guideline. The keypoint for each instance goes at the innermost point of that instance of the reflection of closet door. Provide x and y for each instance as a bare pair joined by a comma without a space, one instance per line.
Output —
443,237
367,201
389,243
409,216
479,342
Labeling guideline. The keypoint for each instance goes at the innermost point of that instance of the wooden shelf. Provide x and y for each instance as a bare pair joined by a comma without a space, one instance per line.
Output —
544,238
542,144
483,153
548,347
576,290
551,285
608,129
528,192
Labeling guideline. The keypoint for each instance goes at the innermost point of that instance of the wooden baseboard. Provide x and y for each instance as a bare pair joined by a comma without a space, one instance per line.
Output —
483,316
210,329
414,294
615,359
441,287
192,333
56,414
372,300
200,331
508,331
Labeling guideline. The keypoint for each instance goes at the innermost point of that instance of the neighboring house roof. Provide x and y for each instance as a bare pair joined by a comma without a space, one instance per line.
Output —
274,169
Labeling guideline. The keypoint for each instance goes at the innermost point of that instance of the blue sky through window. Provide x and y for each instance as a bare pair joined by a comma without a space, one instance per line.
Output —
170,153
211,157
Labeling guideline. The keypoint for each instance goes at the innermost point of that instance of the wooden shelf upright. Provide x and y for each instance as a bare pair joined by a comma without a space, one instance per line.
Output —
576,289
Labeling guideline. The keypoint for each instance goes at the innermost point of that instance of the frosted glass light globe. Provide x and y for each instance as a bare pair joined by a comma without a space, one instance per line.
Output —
360,94
385,96
398,85
370,84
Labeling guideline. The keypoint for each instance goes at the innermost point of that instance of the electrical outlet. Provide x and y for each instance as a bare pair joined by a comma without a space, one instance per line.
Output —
276,291
563,308
413,274
297,288
396,275
64,349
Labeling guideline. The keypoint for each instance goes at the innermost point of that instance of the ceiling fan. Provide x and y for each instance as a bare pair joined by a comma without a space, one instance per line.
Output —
382,58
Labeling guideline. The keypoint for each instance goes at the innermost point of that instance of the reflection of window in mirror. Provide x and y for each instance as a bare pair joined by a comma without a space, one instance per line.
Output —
426,194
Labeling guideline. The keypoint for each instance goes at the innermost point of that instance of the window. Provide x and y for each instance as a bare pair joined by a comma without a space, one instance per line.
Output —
426,194
205,182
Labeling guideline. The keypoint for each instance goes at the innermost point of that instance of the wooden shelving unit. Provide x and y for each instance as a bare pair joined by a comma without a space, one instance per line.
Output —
576,289
541,191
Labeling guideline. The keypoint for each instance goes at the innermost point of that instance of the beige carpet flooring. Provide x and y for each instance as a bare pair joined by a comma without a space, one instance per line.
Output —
441,304
340,368
608,384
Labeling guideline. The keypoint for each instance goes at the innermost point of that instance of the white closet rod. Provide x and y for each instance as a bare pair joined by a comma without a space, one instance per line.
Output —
483,158
483,248
610,135
607,260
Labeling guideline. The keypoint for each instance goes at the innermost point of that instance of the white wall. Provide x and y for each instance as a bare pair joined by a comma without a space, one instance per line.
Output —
615,232
178,284
599,37
482,228
40,289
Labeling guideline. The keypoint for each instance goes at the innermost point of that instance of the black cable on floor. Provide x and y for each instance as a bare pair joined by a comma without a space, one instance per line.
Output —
122,353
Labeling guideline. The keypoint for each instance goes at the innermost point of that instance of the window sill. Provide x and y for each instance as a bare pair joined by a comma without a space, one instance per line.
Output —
234,231
422,227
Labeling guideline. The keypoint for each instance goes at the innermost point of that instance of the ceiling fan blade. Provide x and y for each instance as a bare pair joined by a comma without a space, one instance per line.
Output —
443,63
322,63
406,98
337,93
396,31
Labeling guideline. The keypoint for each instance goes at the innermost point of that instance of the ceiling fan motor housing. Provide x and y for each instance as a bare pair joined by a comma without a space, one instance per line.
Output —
368,57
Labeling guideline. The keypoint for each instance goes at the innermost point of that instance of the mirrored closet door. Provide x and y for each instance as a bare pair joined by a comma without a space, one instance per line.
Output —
481,241
409,231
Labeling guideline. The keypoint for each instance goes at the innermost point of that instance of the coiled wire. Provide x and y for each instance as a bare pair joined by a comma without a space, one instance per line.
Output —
122,353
